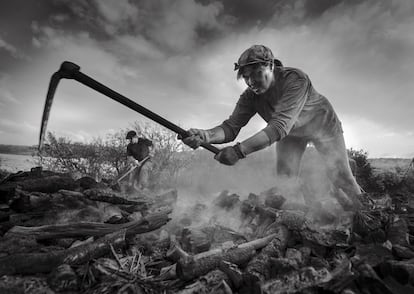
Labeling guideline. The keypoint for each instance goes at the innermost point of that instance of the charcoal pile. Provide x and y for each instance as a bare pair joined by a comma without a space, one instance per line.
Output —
60,235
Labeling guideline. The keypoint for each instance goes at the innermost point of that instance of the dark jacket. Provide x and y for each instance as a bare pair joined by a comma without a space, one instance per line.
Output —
139,150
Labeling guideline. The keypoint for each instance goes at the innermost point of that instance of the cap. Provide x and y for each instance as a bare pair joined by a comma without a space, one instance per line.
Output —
131,134
254,54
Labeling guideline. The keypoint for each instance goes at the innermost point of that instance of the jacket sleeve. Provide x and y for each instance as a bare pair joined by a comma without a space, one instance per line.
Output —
147,142
241,115
129,153
288,107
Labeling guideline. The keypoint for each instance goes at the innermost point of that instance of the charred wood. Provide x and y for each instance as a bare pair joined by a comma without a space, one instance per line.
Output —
368,281
297,281
212,282
20,244
233,272
274,200
403,252
48,184
204,262
259,268
110,196
397,231
401,271
194,240
22,285
226,200
86,229
63,278
175,253
27,263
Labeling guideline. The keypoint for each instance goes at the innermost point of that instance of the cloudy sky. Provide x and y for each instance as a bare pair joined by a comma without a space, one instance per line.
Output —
176,58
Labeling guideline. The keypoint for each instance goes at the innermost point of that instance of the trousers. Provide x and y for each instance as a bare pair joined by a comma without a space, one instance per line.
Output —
334,154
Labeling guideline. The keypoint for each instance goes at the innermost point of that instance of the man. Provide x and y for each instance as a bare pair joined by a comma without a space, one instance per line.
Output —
295,114
138,152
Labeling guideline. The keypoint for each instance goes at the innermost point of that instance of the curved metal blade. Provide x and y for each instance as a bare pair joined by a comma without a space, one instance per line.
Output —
54,81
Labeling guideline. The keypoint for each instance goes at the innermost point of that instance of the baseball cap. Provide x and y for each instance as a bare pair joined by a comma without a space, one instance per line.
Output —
254,54
131,134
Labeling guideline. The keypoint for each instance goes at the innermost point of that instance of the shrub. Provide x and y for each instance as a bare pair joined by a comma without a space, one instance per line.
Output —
98,159
385,181
106,158
364,170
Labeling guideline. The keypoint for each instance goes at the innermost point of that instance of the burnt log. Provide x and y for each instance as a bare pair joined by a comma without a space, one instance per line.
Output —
274,200
212,282
18,244
50,204
373,254
29,263
194,240
370,225
397,231
401,271
48,184
368,281
218,234
86,229
294,220
259,268
342,277
402,252
297,281
204,262
292,261
110,196
23,285
233,272
175,253
63,278
226,201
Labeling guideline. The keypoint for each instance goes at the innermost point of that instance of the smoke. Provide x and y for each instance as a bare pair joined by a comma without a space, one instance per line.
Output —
202,182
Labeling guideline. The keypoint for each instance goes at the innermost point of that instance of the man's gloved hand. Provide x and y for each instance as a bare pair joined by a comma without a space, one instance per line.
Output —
196,138
230,155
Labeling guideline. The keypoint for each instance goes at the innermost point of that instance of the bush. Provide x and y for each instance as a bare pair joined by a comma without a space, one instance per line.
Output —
371,179
385,181
98,159
364,170
106,158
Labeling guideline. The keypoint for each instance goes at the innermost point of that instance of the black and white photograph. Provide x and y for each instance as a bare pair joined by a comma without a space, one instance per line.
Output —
207,146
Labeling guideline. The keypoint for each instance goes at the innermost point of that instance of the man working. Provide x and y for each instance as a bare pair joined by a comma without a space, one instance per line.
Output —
295,114
138,152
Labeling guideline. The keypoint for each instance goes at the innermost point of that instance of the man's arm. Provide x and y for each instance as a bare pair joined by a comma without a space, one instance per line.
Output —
216,135
255,143
131,160
288,106
228,130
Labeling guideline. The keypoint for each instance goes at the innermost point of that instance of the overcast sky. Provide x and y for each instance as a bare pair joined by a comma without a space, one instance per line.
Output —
176,58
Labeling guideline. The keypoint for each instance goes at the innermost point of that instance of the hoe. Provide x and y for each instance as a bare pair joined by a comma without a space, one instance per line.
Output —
69,70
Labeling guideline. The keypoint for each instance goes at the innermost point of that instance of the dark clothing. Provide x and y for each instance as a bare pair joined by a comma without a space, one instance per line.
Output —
139,150
296,114
290,107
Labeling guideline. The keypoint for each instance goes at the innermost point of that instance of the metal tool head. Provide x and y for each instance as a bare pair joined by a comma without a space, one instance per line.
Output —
66,70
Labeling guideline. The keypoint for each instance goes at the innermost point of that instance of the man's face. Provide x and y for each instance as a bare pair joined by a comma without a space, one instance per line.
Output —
258,77
134,139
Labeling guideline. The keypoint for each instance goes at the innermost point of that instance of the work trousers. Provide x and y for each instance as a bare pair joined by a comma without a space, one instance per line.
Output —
140,177
334,154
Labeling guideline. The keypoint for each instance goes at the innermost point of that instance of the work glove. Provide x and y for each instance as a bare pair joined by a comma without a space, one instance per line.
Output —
195,138
230,155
